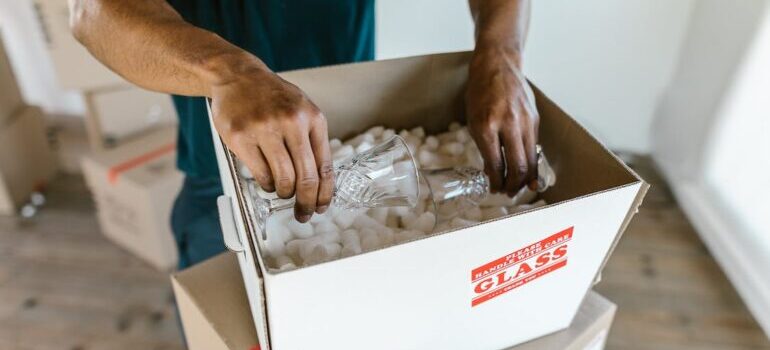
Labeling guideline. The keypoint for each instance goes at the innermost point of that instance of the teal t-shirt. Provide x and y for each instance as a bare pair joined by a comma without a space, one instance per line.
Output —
286,35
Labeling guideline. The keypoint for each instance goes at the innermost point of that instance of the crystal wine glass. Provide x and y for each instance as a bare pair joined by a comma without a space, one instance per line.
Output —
386,175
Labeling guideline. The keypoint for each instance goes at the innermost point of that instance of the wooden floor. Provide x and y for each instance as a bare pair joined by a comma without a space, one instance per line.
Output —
64,287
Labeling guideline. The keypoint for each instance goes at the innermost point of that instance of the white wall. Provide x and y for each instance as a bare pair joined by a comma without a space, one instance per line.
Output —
605,61
25,45
712,135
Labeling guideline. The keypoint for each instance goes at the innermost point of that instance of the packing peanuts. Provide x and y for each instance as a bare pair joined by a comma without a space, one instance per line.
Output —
134,187
26,161
492,285
215,314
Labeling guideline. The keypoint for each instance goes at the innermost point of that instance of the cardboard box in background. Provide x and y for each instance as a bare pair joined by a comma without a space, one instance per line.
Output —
215,313
70,143
134,186
26,161
10,97
119,114
74,65
469,285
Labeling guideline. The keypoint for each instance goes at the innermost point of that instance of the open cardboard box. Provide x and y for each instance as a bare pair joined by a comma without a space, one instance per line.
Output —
134,187
460,289
26,161
215,314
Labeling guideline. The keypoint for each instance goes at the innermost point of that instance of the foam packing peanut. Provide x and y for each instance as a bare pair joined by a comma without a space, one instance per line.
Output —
358,140
275,247
364,146
323,253
334,144
376,131
458,223
300,230
424,223
452,148
343,153
379,214
370,240
431,143
493,213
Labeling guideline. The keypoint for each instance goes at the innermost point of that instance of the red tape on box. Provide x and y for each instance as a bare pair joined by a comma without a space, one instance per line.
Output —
115,171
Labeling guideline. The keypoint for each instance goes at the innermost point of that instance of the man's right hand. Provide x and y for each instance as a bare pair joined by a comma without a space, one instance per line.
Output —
279,134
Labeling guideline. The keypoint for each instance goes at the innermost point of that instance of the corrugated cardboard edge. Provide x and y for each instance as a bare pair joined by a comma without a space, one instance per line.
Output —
229,164
219,265
630,215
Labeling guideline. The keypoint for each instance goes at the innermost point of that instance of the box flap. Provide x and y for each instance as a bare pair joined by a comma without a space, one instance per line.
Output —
215,291
216,315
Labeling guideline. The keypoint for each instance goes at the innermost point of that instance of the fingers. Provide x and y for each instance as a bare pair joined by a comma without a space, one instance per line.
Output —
280,163
256,162
319,140
489,146
307,173
529,140
517,167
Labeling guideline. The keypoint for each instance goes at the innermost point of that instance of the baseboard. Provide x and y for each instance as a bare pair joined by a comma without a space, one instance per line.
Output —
749,278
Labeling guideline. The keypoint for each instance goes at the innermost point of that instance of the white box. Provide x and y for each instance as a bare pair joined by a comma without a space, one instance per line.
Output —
75,67
215,314
134,187
26,161
461,289
10,97
118,114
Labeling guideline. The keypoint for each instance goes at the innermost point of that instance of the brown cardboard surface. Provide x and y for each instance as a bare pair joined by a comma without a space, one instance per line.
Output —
75,67
215,312
10,97
427,91
213,306
134,187
120,114
26,161
70,144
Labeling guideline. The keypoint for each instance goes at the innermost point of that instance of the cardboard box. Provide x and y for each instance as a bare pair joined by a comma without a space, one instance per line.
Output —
70,144
119,114
215,314
134,187
471,285
10,97
26,161
75,67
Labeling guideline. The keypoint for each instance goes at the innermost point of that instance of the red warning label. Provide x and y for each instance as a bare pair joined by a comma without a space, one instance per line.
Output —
516,269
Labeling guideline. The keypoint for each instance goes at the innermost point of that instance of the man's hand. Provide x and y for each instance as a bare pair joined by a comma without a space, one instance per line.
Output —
499,103
279,134
502,119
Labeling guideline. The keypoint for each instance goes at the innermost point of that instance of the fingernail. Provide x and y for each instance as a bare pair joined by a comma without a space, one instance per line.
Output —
303,217
322,209
533,185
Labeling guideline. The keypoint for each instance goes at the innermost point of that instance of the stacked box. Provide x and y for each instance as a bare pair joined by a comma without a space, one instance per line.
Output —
26,161
10,97
215,313
75,67
117,115
134,186
493,285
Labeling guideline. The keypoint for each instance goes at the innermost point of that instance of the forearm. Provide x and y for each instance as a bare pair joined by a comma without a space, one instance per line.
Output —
501,25
149,44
